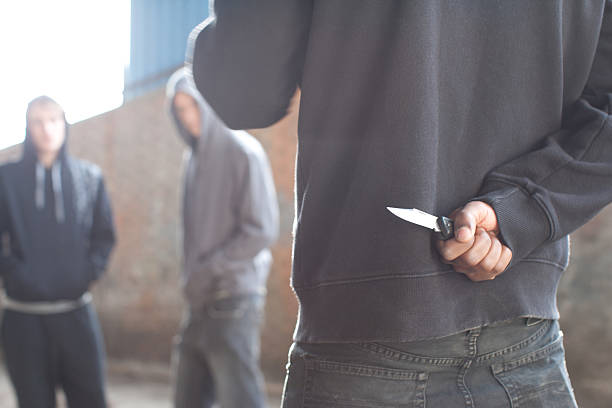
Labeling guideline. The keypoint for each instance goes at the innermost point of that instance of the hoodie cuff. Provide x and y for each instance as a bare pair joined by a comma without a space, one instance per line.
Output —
523,222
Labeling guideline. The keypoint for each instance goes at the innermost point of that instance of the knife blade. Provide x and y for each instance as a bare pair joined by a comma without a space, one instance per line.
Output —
442,225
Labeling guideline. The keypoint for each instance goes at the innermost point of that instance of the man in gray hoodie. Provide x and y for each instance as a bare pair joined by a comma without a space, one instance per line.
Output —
230,219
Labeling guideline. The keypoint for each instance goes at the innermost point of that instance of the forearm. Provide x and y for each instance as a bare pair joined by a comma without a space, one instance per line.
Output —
551,192
548,193
258,222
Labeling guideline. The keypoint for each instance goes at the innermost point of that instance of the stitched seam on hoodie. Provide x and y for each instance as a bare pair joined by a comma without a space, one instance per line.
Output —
372,278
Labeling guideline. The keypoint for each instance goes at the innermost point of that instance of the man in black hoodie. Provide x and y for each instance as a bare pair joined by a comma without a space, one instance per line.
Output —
57,228
499,109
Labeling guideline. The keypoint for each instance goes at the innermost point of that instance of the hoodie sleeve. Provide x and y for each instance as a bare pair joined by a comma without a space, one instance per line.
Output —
257,214
548,193
102,238
7,261
4,216
247,59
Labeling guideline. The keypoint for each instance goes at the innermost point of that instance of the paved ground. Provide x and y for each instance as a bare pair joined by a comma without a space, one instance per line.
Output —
126,390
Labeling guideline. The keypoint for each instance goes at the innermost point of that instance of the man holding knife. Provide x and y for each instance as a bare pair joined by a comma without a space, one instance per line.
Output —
495,114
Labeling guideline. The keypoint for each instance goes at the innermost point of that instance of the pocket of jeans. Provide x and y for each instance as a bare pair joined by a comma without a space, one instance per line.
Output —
336,384
537,379
228,308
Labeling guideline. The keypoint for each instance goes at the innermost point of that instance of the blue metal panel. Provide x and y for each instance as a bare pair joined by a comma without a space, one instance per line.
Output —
159,32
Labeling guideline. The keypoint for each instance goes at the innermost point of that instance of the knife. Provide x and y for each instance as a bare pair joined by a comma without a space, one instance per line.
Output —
443,225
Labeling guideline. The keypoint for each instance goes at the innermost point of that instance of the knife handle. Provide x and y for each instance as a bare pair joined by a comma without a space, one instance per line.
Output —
447,229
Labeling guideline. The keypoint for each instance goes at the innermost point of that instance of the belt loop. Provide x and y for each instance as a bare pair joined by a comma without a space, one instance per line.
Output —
472,341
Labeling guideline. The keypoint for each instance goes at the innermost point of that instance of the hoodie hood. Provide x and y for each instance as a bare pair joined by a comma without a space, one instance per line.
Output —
57,174
211,125
29,154
29,150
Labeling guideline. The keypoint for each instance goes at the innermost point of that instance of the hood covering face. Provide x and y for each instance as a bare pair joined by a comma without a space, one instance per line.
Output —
29,150
30,158
211,124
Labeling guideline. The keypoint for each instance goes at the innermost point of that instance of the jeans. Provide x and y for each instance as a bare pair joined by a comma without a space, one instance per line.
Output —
217,356
519,363
65,349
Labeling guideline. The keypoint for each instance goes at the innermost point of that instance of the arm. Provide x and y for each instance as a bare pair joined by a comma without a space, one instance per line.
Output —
248,58
548,193
257,214
6,264
7,260
102,239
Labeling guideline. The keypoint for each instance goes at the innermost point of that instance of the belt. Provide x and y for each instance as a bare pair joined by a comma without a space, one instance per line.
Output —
45,308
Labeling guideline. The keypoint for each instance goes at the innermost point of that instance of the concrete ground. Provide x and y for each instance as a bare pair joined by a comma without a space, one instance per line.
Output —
128,387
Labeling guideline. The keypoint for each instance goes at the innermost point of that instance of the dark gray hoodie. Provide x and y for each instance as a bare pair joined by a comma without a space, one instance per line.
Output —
426,104
59,223
230,211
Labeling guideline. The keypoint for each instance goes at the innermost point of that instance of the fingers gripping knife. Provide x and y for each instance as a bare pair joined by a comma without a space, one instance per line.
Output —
442,225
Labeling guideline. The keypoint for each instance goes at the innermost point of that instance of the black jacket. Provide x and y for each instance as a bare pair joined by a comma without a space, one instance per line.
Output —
426,104
50,254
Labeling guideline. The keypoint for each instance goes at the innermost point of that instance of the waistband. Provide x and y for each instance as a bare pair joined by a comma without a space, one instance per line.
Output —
45,308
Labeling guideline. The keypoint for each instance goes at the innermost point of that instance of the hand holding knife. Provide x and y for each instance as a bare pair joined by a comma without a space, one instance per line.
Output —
443,225
470,241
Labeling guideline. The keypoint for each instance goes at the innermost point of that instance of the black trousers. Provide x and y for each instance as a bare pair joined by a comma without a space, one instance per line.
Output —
43,352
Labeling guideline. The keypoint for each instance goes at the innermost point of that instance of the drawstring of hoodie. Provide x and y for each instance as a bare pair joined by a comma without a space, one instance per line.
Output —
56,182
39,192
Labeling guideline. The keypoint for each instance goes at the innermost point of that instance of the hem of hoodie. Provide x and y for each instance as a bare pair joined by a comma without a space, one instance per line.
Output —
413,308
